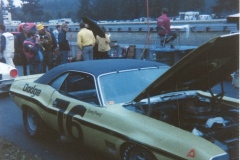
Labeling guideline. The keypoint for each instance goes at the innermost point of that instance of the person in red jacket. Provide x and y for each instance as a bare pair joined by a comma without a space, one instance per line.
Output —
164,22
33,53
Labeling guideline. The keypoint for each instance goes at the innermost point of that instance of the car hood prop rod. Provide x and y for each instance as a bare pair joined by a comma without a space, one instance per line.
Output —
150,107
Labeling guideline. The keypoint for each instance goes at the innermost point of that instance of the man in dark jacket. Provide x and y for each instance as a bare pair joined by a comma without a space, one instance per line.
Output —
47,42
19,46
54,44
64,47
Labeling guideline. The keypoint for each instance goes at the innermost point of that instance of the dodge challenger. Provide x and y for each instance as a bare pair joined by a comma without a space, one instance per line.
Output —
138,109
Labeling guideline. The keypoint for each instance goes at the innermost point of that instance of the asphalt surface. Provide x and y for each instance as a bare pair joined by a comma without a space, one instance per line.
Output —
48,147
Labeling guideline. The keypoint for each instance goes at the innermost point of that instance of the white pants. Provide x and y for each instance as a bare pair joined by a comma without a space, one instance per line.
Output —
9,58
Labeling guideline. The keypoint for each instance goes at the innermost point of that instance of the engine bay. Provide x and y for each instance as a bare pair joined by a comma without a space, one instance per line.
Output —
209,117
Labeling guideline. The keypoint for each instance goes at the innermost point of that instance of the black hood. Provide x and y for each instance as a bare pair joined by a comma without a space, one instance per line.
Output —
201,69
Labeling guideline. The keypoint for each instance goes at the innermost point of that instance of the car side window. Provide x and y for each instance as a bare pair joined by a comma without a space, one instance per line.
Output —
80,86
57,83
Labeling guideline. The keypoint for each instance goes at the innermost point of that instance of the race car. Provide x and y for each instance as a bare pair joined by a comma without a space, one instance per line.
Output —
7,76
138,109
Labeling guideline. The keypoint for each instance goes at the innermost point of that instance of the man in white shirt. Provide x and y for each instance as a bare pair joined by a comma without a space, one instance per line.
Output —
7,45
56,32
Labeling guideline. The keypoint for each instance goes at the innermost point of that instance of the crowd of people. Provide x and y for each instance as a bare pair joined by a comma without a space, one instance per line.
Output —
41,49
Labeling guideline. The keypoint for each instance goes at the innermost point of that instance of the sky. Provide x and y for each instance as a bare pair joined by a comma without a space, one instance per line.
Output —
15,2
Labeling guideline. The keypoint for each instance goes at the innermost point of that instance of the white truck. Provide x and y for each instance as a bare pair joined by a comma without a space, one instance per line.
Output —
191,15
205,17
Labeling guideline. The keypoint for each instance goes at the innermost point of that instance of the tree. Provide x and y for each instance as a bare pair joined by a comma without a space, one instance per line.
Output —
10,6
1,13
46,16
32,10
12,9
192,5
226,6
36,10
99,9
85,9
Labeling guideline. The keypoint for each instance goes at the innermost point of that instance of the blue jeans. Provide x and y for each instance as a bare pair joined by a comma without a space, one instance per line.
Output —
64,57
87,53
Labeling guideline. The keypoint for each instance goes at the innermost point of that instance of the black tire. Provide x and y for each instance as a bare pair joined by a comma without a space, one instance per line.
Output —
133,152
32,122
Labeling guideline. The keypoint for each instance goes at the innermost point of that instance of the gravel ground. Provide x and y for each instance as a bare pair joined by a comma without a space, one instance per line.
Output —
9,151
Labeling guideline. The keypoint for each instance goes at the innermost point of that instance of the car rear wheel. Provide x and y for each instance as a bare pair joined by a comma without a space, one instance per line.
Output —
32,122
134,152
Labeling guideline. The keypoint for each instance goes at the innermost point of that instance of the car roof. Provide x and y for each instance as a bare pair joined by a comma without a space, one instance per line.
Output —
98,67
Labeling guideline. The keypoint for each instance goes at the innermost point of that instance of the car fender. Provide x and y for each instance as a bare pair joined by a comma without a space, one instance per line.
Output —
169,144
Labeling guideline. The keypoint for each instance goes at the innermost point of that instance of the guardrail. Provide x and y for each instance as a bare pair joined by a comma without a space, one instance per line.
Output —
192,28
206,26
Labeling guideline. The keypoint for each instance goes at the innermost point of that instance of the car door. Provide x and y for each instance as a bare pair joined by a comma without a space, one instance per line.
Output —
75,93
78,113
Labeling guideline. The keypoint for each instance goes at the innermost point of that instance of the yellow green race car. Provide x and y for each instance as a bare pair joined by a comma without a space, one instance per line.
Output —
137,109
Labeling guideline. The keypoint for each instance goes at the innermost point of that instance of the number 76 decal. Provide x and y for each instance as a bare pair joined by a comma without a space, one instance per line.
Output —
76,110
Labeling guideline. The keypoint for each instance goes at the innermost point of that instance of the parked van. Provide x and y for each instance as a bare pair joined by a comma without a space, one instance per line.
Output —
65,20
53,22
191,15
205,17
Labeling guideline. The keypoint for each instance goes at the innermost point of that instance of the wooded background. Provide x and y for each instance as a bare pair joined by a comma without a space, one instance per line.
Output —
44,10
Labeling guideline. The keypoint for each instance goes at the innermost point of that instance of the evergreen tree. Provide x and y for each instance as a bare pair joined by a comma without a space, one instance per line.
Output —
12,9
32,10
192,5
85,9
226,6
44,10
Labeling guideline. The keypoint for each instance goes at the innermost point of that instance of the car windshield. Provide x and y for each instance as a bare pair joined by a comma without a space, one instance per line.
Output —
121,87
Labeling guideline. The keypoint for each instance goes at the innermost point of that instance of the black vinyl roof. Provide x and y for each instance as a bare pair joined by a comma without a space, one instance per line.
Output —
98,67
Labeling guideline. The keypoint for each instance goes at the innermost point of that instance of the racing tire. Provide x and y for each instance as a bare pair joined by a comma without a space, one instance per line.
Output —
32,122
133,152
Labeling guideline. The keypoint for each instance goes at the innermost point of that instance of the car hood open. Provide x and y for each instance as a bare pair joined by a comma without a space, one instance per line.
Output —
201,69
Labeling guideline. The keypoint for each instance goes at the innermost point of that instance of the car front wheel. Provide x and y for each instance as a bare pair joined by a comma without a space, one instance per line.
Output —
133,152
32,122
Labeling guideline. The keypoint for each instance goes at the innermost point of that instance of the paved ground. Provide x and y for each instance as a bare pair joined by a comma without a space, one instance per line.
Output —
194,39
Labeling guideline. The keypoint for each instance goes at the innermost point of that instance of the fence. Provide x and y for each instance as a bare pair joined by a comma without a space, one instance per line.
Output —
206,26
